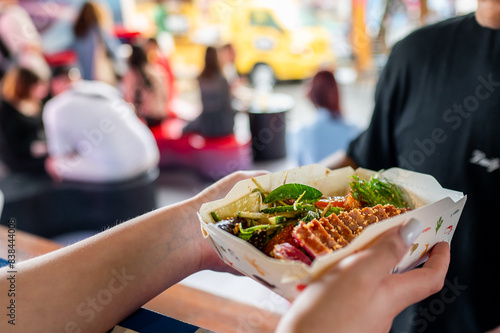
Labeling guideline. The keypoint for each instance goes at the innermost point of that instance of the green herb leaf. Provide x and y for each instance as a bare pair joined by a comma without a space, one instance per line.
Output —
377,191
245,236
248,233
331,210
310,216
293,191
251,230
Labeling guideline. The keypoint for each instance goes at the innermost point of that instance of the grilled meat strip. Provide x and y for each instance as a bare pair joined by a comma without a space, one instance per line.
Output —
336,231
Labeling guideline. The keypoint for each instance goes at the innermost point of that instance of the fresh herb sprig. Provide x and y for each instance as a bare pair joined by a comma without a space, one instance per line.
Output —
377,191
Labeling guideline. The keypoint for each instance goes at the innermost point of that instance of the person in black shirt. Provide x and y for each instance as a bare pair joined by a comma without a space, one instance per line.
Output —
437,111
217,115
22,148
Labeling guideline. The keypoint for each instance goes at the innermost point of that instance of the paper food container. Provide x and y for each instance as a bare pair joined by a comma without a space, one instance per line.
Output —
437,208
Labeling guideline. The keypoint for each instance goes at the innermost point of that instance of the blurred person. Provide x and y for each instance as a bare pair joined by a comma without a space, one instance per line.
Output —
93,135
239,85
19,38
156,56
95,48
150,253
227,57
326,131
63,78
144,86
217,115
436,112
22,145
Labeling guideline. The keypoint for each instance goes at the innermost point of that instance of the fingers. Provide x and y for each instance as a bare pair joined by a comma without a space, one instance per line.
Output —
50,167
379,259
496,330
439,259
417,284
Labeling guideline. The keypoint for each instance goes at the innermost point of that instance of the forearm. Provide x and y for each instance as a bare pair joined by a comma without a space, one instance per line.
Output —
96,283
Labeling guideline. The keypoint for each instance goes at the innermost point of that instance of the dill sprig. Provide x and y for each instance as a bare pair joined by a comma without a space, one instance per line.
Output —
377,191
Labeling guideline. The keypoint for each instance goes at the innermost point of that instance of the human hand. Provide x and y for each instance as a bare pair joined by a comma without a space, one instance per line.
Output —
51,168
360,295
209,259
38,148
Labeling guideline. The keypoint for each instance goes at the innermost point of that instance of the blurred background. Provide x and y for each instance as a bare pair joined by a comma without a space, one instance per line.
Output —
272,49
283,40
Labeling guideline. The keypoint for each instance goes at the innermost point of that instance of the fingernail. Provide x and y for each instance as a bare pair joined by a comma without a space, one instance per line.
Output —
410,231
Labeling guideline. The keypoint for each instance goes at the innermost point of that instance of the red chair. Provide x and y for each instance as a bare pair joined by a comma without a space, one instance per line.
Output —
210,157
67,57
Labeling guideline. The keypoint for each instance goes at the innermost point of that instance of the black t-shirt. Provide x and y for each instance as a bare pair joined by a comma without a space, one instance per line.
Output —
437,111
17,133
217,116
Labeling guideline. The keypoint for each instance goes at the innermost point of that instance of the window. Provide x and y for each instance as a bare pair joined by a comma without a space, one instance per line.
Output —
263,19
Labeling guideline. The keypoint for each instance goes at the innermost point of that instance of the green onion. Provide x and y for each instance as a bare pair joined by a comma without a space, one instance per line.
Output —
215,217
294,208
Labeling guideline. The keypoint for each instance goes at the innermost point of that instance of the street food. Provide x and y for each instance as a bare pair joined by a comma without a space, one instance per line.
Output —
299,223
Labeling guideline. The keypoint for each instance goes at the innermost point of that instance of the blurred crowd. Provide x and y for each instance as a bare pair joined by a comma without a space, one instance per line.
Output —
91,120
435,112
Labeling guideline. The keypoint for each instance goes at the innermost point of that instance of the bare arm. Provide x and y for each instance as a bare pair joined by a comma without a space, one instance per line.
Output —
94,284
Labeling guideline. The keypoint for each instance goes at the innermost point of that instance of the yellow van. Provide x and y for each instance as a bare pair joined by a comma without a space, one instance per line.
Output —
273,39
276,39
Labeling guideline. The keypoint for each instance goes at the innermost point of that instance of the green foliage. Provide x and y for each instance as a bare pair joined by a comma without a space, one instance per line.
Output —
331,210
377,191
311,215
307,193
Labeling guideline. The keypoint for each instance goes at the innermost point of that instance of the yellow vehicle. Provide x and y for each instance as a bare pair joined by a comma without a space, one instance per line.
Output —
272,39
183,21
276,39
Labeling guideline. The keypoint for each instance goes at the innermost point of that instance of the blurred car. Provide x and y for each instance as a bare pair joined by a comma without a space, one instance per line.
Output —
277,40
273,40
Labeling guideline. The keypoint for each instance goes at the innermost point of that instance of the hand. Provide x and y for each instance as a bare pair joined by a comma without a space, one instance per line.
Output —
360,295
51,168
38,148
209,259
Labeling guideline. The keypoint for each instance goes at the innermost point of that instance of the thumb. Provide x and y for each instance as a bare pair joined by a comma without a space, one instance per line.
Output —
389,249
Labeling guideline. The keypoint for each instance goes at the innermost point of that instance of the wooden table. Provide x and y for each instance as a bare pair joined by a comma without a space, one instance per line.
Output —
184,303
